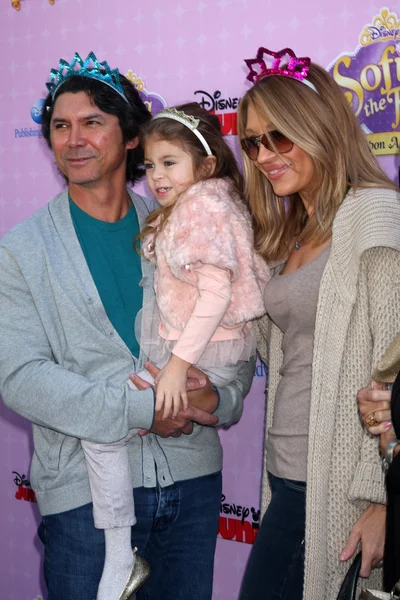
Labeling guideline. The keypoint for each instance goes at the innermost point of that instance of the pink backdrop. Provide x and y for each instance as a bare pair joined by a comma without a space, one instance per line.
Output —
177,48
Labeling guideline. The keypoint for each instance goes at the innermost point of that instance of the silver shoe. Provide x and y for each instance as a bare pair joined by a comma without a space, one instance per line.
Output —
140,573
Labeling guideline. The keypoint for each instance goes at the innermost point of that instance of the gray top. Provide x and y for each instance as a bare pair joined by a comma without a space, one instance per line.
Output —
64,367
291,301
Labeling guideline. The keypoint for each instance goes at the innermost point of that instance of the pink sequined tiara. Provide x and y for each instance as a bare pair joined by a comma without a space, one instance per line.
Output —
295,67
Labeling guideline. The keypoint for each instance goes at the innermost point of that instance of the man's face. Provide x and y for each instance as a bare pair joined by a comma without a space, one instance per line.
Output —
87,142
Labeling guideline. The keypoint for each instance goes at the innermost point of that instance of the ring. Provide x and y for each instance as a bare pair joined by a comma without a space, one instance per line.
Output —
370,420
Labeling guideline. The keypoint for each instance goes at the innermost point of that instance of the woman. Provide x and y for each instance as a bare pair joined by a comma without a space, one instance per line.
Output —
383,418
328,219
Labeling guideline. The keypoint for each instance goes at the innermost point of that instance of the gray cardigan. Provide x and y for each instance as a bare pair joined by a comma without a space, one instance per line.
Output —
64,367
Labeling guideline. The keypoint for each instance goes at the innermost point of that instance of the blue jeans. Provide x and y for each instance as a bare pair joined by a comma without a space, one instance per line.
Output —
275,570
176,531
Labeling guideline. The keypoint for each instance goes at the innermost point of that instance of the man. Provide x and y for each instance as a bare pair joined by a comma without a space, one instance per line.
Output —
70,289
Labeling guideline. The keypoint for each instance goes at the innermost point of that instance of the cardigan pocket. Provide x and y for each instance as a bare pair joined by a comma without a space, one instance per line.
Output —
63,451
55,451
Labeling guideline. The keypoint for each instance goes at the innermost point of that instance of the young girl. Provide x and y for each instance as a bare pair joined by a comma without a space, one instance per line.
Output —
208,280
209,284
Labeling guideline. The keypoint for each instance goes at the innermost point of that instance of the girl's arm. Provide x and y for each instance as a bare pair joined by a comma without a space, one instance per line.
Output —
214,286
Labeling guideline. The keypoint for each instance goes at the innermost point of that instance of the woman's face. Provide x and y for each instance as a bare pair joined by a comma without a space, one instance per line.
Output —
293,174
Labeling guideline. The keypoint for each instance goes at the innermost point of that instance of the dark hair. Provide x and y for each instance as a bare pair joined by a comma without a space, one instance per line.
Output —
210,127
132,115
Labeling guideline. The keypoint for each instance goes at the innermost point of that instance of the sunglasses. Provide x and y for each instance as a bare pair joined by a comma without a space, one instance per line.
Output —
274,141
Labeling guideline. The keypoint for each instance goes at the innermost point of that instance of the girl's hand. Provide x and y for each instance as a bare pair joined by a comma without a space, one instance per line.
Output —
171,394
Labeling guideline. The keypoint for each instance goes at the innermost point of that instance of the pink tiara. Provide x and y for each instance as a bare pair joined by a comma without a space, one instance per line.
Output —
296,67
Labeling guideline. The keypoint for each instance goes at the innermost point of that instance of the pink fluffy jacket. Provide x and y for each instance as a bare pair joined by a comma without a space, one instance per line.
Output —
209,224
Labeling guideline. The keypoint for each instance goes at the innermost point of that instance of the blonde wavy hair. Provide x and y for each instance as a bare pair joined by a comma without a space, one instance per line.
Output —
326,128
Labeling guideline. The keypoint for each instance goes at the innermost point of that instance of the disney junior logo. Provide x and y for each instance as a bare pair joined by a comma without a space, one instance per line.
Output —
215,102
239,529
24,491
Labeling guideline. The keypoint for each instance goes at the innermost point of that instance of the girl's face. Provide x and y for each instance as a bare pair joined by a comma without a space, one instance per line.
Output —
169,170
293,174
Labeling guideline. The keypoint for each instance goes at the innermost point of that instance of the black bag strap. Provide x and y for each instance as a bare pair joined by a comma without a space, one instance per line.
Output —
348,589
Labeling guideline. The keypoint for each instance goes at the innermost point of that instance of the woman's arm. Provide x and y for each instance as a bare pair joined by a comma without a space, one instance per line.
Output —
262,327
382,270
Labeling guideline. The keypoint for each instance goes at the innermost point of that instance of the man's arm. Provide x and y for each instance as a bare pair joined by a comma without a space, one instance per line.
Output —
225,402
38,388
231,397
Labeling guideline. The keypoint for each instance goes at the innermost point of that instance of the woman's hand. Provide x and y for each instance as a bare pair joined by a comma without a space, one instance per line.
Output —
374,406
369,530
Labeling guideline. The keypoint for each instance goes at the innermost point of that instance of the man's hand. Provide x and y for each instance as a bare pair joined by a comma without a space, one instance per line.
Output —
203,400
182,423
369,530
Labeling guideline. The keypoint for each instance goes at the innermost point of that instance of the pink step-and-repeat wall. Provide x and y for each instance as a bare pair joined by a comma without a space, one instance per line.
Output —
175,51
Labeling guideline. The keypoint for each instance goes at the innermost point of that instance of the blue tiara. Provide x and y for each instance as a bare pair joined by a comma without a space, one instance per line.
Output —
90,68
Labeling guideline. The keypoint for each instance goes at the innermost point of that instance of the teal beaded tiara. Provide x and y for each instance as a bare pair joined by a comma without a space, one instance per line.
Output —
90,68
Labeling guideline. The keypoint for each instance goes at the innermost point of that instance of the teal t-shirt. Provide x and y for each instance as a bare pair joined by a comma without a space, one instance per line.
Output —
115,267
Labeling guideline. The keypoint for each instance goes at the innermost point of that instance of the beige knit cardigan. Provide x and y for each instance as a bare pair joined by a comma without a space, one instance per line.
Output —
358,315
